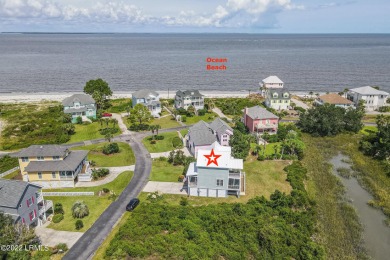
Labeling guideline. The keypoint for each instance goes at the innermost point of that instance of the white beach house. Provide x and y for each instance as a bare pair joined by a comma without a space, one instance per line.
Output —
373,98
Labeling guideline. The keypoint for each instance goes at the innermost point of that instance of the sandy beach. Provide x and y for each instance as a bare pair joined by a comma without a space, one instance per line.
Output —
36,97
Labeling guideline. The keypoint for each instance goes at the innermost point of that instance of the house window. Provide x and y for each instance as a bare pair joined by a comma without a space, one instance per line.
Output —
40,175
286,95
40,158
275,95
56,157
24,159
219,183
53,175
29,202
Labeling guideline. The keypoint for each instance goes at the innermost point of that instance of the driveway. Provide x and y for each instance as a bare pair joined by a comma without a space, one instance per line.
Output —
51,237
165,187
220,114
90,241
114,172
121,124
300,103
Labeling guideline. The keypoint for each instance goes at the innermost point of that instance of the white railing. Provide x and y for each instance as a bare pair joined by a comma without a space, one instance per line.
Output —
39,197
9,172
68,194
48,204
85,177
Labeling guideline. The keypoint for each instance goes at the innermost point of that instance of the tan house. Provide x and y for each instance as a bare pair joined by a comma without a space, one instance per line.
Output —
333,99
53,166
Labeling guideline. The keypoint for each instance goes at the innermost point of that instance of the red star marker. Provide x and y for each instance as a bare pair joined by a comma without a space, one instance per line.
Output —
212,158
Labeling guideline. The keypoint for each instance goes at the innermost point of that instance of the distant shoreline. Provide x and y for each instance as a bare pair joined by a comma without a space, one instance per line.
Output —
16,97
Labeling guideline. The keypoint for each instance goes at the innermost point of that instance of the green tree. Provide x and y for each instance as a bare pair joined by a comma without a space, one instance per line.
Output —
99,90
240,145
378,144
108,136
329,120
140,114
209,104
191,111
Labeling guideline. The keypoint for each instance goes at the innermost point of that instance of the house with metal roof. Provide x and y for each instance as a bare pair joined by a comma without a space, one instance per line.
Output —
184,99
278,99
271,82
24,202
373,98
80,105
148,98
215,173
203,134
260,120
333,99
53,166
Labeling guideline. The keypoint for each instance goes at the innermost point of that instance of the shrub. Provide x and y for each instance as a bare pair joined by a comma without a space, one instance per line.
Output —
261,157
384,109
183,201
181,178
79,120
111,148
108,130
58,208
159,137
62,246
153,142
79,224
162,159
57,218
80,209
96,174
106,190
113,196
184,119
177,142
202,112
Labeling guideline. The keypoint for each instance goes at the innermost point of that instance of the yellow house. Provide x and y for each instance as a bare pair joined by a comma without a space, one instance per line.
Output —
53,165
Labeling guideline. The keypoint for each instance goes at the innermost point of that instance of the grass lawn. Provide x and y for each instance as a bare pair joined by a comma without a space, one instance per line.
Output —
184,132
269,149
165,122
262,179
208,117
87,132
14,176
164,171
125,156
160,145
95,204
369,119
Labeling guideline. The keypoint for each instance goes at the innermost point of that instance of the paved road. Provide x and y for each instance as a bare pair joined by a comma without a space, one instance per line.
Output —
87,245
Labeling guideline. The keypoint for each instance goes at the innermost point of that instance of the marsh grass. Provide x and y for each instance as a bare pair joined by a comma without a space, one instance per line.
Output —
344,172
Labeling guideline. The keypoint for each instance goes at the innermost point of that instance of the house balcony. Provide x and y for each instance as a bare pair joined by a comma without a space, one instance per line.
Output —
45,207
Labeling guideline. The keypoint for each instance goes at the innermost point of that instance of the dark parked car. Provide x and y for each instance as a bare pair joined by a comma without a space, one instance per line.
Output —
132,204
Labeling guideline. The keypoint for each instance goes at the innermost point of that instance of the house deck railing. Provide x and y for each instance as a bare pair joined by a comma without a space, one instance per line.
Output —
233,187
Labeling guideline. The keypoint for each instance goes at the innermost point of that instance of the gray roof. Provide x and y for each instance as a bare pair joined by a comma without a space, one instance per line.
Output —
219,125
367,90
43,150
280,92
258,112
70,163
193,93
144,93
201,134
12,191
84,99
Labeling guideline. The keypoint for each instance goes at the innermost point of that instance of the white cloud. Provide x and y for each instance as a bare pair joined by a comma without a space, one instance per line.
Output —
234,13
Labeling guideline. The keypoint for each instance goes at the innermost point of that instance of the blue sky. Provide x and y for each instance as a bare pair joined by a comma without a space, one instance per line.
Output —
247,16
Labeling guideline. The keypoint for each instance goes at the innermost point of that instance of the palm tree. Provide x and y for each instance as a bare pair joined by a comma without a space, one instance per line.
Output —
311,93
191,110
101,120
257,149
157,127
80,209
165,103
114,122
109,136
210,104
152,128
128,108
107,122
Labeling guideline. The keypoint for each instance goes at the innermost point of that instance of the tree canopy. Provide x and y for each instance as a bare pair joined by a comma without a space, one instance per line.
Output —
240,145
378,144
99,90
329,120
140,114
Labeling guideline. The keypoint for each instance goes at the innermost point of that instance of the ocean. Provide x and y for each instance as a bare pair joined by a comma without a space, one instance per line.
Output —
128,62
